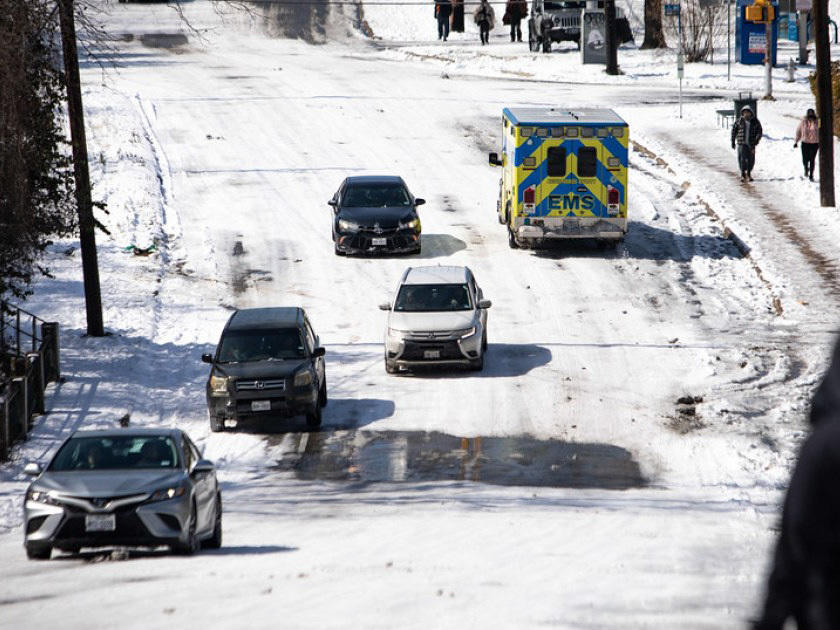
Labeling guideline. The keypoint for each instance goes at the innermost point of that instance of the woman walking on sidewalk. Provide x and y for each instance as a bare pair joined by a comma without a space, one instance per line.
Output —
808,133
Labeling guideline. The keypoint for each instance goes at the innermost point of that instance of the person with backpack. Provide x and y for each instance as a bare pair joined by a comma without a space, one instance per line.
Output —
485,17
746,134
807,132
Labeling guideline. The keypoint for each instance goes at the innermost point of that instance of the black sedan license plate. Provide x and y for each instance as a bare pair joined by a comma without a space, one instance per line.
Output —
100,523
379,242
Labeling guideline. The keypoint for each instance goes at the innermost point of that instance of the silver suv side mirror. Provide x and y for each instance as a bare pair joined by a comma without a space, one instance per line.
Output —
484,304
32,469
385,307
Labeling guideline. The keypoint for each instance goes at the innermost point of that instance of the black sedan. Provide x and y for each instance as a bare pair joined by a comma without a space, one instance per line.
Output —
375,214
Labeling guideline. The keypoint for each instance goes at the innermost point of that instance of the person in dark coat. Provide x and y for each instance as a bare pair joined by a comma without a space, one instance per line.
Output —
457,16
443,9
804,583
746,133
515,11
485,17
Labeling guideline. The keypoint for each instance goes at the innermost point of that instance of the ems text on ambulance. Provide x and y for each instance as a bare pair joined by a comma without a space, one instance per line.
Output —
564,175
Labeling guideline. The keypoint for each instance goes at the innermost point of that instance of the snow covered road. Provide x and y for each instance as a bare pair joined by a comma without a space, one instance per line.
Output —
564,485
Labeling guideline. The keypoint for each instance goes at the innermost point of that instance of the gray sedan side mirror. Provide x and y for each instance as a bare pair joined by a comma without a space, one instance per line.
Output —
484,304
385,307
32,469
203,466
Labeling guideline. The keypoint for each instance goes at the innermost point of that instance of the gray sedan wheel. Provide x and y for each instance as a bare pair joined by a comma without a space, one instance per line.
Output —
191,544
215,541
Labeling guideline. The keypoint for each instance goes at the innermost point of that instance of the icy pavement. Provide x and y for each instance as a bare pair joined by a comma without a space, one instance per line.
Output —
565,485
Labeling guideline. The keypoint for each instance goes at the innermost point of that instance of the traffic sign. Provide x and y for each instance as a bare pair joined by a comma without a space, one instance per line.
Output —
672,9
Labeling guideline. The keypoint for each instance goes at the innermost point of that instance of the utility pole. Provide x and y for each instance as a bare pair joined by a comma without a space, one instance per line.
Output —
75,112
612,39
825,106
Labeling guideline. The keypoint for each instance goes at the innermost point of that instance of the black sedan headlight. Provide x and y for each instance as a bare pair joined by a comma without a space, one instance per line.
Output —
347,226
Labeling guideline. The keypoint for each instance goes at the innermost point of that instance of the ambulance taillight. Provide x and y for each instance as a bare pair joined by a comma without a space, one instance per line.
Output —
612,200
529,196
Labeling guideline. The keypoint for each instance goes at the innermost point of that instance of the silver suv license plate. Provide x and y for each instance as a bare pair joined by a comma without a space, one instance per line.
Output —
100,523
431,354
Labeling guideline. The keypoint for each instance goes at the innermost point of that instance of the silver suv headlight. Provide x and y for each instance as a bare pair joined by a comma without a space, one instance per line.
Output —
396,335
466,333
347,226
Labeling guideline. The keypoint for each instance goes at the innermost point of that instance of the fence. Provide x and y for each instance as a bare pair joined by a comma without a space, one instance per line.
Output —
29,360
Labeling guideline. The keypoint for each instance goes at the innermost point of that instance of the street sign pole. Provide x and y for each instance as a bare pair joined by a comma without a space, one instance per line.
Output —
680,76
729,40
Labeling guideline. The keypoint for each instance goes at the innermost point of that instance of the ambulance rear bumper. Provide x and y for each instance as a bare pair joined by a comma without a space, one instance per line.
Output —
584,227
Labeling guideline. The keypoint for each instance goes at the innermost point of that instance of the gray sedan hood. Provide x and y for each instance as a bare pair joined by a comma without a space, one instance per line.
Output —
108,483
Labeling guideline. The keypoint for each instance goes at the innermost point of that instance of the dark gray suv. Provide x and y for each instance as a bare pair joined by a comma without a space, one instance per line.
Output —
269,362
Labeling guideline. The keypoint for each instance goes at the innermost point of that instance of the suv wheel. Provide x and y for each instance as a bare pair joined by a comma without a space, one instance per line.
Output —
476,365
38,552
216,425
322,394
313,418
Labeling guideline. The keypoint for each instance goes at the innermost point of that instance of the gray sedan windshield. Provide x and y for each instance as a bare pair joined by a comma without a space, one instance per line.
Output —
113,453
433,297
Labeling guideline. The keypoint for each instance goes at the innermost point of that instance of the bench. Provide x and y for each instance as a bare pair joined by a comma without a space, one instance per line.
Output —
725,117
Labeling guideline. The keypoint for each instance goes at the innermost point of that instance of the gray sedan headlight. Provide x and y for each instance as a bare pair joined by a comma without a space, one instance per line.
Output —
164,494
41,497
347,226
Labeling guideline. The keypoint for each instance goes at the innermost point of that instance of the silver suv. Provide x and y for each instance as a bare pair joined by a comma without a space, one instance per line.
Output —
438,316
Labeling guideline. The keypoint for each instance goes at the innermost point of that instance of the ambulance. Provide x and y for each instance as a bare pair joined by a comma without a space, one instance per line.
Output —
564,175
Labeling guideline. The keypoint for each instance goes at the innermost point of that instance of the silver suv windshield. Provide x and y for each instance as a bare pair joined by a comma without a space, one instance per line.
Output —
418,298
113,453
240,346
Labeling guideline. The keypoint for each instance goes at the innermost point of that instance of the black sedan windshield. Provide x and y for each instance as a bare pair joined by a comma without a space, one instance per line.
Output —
433,297
113,453
376,196
239,346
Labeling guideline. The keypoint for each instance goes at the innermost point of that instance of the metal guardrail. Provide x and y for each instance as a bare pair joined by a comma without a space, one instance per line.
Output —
29,361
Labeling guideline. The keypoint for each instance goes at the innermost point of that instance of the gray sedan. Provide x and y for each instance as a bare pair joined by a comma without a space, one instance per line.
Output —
123,487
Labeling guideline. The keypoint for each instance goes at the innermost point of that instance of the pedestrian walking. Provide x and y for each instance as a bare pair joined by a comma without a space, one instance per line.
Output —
746,134
485,17
457,16
805,579
515,11
807,132
443,9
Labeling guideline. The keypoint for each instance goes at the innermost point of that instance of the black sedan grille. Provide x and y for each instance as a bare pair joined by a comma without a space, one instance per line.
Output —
416,351
364,240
